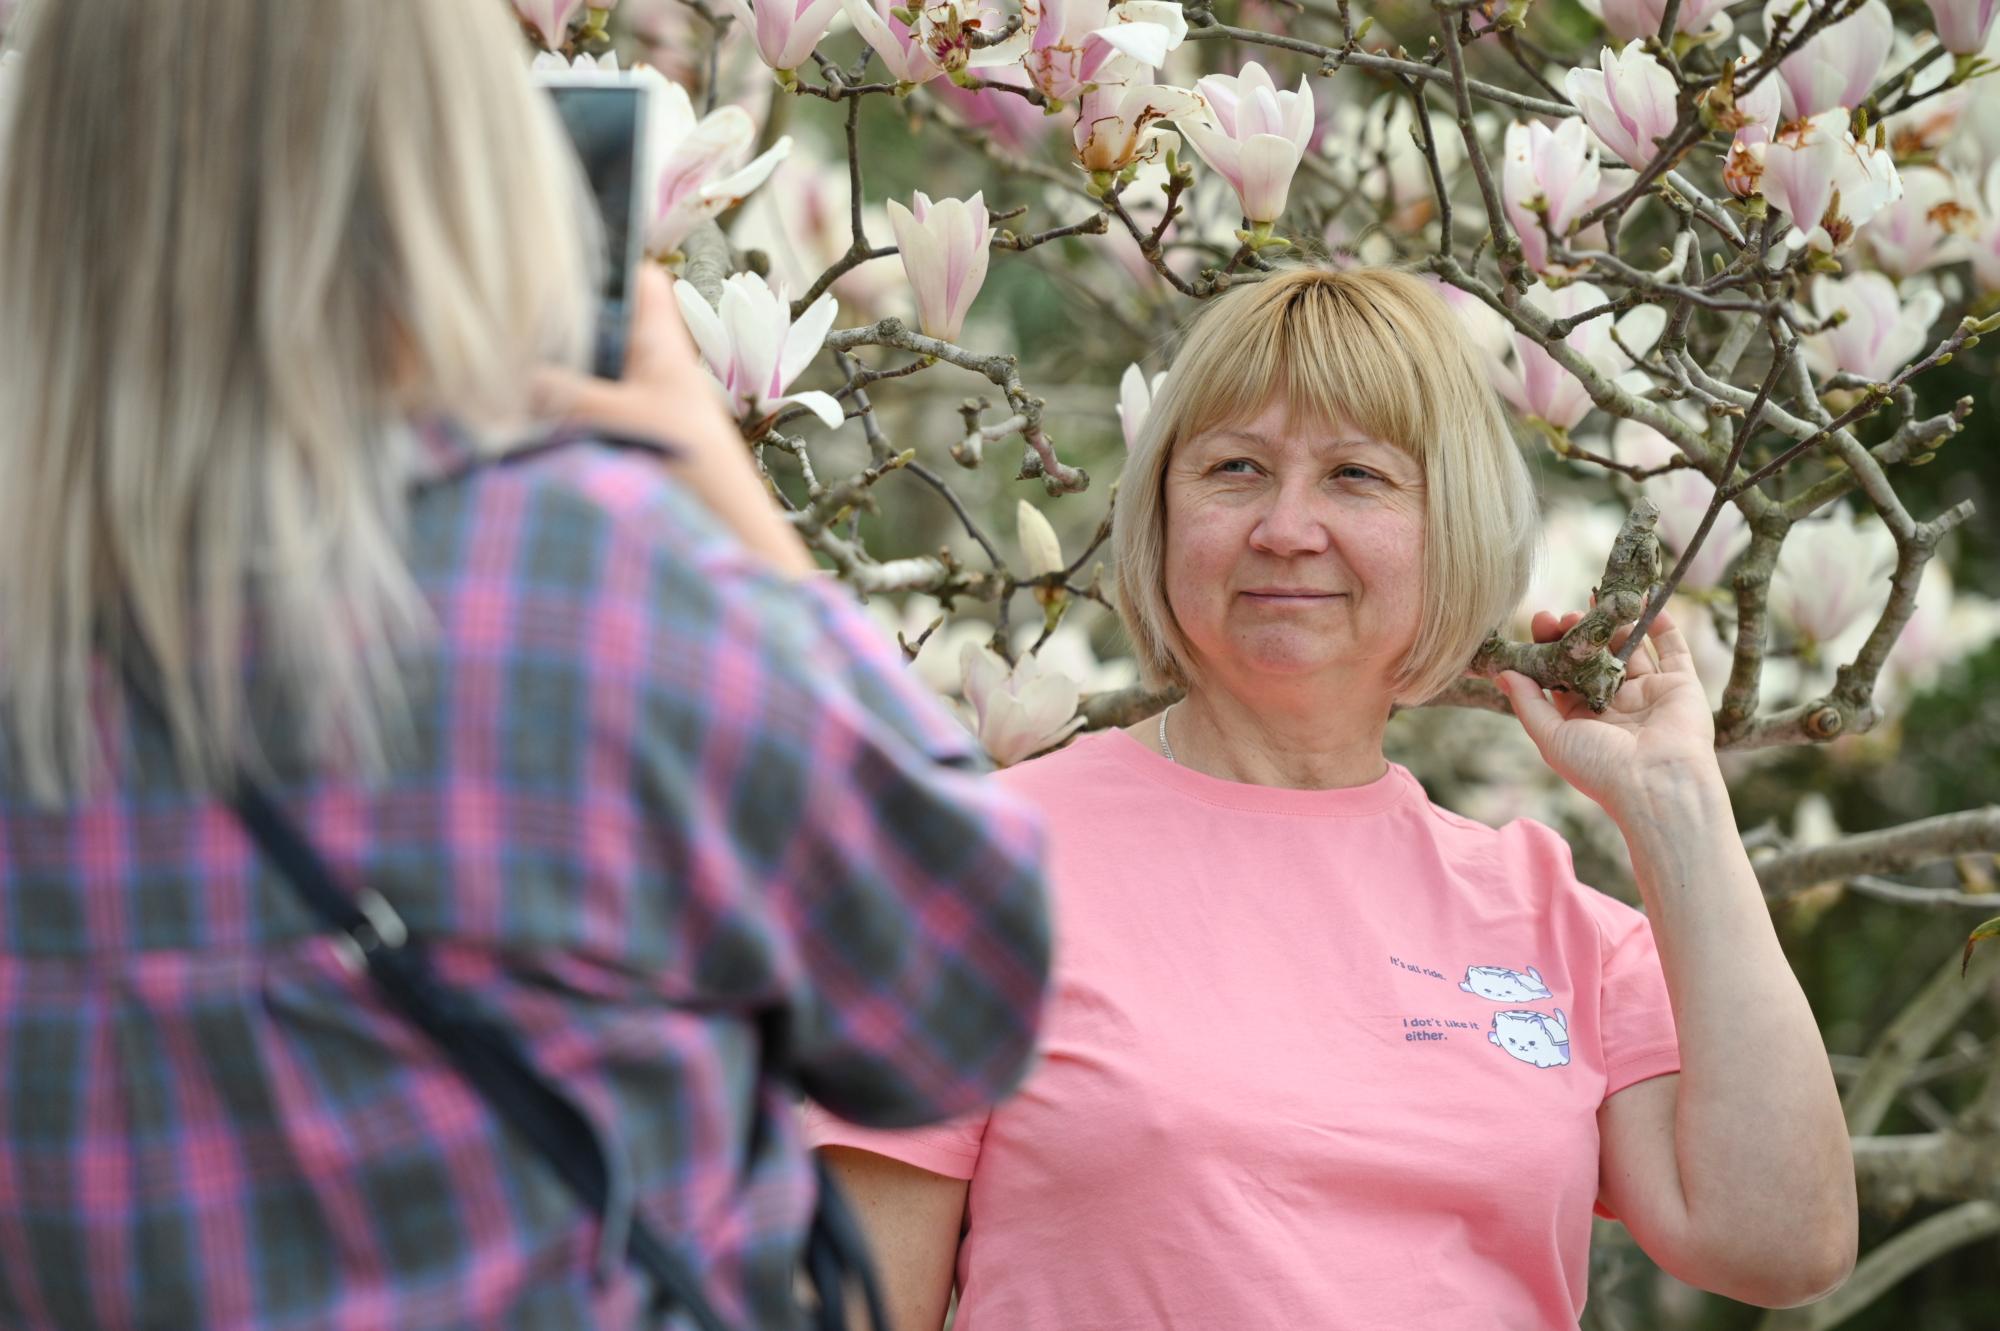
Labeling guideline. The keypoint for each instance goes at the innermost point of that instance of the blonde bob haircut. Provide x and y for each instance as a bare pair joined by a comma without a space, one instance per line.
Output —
243,244
1372,349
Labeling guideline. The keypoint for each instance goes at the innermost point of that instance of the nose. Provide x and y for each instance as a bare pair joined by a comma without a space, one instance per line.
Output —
1291,523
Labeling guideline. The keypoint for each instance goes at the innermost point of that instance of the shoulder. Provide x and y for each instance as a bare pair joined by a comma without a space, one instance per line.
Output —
1533,858
1080,769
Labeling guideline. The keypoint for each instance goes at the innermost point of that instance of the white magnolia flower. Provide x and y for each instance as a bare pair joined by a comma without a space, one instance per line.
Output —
1832,576
1827,182
1135,400
1880,333
1073,42
752,348
1629,101
1019,712
1537,386
1920,231
1551,171
1118,119
1683,495
1039,543
694,164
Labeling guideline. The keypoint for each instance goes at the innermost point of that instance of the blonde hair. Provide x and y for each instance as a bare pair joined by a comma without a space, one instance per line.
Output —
1375,349
244,243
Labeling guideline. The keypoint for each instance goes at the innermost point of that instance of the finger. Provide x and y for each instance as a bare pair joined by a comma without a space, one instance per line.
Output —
1674,653
660,340
562,394
1545,627
1538,716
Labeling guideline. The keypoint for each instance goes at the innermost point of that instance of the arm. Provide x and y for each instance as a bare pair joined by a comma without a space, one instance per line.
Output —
912,1219
1736,1174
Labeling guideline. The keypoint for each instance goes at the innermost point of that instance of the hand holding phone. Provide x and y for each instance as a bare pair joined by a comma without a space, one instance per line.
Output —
605,118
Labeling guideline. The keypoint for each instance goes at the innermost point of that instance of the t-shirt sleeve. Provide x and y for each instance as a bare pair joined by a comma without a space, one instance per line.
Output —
1635,1017
950,1148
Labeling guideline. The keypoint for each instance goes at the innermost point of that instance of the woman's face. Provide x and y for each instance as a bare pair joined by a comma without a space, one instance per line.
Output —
1293,552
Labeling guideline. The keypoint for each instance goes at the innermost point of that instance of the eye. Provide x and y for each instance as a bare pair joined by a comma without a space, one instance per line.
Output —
1233,462
1355,471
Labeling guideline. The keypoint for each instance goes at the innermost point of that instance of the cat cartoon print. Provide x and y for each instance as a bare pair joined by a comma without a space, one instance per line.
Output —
1503,985
1539,1038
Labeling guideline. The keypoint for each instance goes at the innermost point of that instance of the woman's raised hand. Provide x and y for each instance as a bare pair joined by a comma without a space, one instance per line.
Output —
665,394
1657,731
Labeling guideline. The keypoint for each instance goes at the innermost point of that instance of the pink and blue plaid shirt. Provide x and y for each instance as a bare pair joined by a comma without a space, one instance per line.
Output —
670,814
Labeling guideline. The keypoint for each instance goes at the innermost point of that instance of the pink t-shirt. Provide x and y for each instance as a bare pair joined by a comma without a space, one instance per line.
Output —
1326,1059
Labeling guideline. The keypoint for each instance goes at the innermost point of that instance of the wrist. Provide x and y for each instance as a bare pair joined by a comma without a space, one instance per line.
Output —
1668,798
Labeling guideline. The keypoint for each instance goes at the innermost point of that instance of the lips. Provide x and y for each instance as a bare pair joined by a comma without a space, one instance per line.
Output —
1291,594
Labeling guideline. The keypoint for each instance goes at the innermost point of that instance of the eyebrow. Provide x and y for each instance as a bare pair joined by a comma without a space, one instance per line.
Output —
1324,444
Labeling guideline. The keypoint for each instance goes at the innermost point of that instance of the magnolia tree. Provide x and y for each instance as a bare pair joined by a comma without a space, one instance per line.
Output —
1710,252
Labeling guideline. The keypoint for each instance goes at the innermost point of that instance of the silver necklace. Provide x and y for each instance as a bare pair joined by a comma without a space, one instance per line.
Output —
1165,747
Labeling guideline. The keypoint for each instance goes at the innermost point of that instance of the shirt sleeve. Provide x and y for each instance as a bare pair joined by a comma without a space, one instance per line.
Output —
904,886
950,1148
1635,1016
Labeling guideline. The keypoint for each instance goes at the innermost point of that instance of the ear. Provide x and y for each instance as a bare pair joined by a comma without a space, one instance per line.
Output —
1534,975
1493,1037
1466,985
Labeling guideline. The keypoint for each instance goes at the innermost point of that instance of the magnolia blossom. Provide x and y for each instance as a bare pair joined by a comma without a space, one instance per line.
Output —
1632,20
1040,546
1838,65
1539,387
1135,400
1945,627
1963,25
1019,712
551,19
1917,232
1073,39
1983,246
1552,171
786,31
1826,181
752,348
1832,575
695,164
1683,496
1118,124
1371,149
1253,135
944,249
1881,332
940,43
1628,101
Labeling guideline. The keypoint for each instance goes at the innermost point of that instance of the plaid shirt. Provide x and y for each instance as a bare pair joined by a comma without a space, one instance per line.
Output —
664,809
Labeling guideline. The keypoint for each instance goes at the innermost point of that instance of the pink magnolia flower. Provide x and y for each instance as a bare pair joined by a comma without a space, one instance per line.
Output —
786,31
1632,20
1073,39
1831,573
1827,183
1881,332
551,19
941,41
1118,124
1918,231
1017,712
1683,495
696,164
1837,67
1253,136
1537,386
1962,25
753,350
1628,101
944,250
1554,168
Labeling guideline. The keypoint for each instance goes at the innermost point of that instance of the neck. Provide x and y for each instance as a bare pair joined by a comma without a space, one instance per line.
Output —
1304,741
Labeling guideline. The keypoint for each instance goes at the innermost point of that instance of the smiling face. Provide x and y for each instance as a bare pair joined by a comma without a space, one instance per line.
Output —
1295,550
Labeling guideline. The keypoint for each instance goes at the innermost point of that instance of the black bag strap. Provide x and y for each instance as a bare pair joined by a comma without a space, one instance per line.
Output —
483,1050
492,1061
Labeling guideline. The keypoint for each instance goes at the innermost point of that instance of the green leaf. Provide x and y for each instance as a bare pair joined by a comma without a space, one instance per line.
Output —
1990,929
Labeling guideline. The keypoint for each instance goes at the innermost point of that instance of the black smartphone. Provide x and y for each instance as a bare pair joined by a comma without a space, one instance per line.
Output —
605,116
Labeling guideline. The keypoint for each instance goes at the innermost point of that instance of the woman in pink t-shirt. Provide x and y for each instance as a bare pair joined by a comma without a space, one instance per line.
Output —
1321,1054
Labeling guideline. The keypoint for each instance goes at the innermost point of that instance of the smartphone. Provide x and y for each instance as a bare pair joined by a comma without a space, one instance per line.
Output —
605,117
